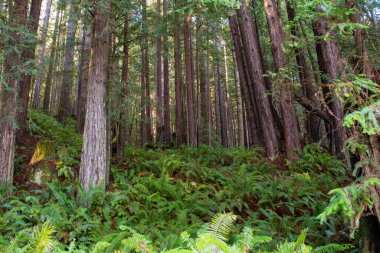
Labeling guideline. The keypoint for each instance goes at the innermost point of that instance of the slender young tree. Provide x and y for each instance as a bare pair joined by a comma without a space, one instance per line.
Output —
9,96
94,151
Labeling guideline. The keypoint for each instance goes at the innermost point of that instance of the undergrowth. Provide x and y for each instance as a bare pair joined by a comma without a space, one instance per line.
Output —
160,194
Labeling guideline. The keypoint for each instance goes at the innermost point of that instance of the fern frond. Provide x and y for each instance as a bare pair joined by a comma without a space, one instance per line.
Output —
220,225
42,240
332,247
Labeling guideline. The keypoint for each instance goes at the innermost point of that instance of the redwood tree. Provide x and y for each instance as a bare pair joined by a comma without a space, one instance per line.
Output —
94,152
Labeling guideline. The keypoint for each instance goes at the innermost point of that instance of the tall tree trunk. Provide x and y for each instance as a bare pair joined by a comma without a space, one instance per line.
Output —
167,128
159,88
123,127
143,118
289,116
9,97
83,82
362,62
41,56
331,65
179,115
52,59
239,106
94,152
148,111
229,117
254,127
58,69
255,71
64,109
205,124
28,54
189,81
306,79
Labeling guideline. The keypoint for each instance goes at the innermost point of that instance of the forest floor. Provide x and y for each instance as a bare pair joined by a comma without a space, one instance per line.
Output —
161,193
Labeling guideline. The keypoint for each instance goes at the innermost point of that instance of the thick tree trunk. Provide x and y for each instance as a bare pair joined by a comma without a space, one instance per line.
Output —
83,82
306,79
255,71
167,128
41,56
26,81
179,121
189,82
52,59
123,127
9,97
94,152
64,109
254,127
331,65
288,112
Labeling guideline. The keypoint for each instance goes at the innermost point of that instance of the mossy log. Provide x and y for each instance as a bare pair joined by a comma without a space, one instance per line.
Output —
41,167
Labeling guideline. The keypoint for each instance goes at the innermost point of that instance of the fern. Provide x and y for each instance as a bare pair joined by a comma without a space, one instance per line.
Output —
220,225
42,240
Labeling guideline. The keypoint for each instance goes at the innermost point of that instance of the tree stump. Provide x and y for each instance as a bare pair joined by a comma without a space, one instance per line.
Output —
41,168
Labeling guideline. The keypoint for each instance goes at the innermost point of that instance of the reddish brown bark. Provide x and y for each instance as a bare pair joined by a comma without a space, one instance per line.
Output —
189,82
254,69
26,81
94,152
288,112
9,97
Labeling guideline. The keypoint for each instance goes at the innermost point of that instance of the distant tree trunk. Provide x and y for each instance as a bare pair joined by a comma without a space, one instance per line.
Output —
148,111
83,82
179,121
289,116
331,65
306,79
52,59
143,118
94,152
41,56
204,136
255,71
58,66
239,106
64,109
159,88
9,97
189,82
26,81
123,127
229,117
167,128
